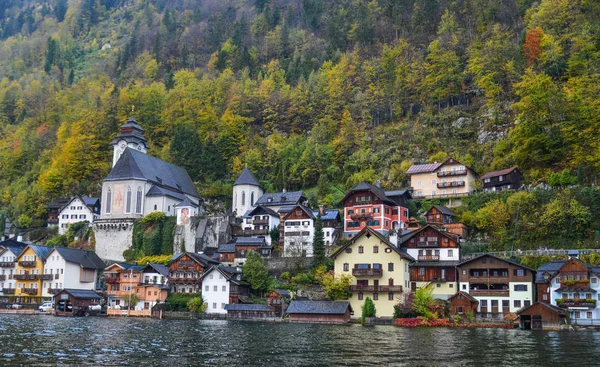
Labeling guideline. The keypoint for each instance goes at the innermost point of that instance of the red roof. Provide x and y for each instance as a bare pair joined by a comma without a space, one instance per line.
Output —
498,173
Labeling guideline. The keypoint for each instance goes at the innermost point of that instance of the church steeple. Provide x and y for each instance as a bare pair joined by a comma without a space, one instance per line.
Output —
130,136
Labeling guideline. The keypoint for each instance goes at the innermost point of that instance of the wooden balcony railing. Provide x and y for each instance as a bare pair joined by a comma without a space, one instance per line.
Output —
27,264
7,264
375,288
428,244
29,290
461,172
443,185
492,293
576,303
8,290
111,280
54,290
367,272
33,276
361,216
183,280
260,222
429,257
237,231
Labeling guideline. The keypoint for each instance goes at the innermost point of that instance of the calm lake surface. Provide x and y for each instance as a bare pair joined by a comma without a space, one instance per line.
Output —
47,340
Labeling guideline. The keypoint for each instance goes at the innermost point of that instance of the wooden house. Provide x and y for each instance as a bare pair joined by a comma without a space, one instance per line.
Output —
250,311
437,253
501,286
542,316
75,302
235,252
279,299
185,271
445,219
120,280
320,312
461,303
506,179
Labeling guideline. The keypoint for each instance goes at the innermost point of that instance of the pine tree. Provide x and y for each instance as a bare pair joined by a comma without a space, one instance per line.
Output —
318,243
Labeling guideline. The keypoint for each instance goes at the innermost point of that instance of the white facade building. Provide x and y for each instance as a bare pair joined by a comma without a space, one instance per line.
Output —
246,191
72,269
299,230
9,251
221,286
78,209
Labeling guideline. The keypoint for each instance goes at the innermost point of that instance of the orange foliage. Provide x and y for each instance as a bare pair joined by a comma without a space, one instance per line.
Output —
532,46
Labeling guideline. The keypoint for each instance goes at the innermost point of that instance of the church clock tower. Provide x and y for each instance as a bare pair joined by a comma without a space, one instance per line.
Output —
131,136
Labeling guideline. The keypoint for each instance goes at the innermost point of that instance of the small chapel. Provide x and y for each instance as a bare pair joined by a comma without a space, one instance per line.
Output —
137,185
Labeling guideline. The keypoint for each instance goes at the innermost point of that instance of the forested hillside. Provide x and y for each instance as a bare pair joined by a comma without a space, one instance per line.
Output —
306,93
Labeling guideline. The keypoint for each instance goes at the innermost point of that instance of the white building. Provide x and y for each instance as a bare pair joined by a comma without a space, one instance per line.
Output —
71,268
222,285
246,191
78,209
299,229
137,185
259,222
9,251
155,274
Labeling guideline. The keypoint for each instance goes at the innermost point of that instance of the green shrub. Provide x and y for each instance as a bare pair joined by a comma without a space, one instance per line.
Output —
368,310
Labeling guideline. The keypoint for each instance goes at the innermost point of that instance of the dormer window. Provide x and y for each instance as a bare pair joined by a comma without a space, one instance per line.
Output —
269,200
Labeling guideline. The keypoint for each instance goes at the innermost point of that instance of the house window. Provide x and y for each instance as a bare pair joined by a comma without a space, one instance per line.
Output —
390,296
108,200
577,314
375,249
350,211
138,201
450,285
375,296
206,288
252,199
527,303
589,314
520,287
459,310
390,266
215,288
517,304
346,267
360,296
421,271
544,297
419,183
375,210
464,287
450,253
224,288
361,249
520,272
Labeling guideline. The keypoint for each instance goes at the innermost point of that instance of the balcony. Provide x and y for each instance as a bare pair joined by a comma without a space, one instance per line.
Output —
367,272
8,291
429,257
46,276
33,276
29,290
2,277
239,232
260,222
54,290
428,244
27,264
361,216
375,288
111,280
461,172
443,185
7,264
184,280
492,293
576,303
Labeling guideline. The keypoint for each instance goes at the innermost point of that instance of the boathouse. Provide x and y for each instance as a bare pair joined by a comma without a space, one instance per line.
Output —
279,299
320,312
249,311
542,316
75,302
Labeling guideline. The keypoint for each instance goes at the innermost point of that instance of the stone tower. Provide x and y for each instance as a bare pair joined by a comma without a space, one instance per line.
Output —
131,136
246,191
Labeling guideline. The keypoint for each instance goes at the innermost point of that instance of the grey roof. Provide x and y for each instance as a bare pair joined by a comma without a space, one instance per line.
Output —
573,252
161,191
199,258
318,307
186,202
14,246
137,165
286,208
408,235
378,191
397,192
261,210
227,247
246,178
41,251
421,168
159,268
249,240
248,307
283,292
89,201
552,267
444,210
131,131
280,198
498,173
83,293
84,258
328,214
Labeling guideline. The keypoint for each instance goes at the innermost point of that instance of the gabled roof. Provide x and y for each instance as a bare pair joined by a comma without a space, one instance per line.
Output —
368,231
319,307
282,292
261,210
159,268
137,165
305,209
186,202
280,198
227,248
246,178
57,204
249,307
498,258
466,295
443,210
161,191
499,173
89,202
551,268
123,266
377,191
396,193
552,308
230,274
84,258
422,168
39,250
411,234
13,246
328,214
82,293
201,259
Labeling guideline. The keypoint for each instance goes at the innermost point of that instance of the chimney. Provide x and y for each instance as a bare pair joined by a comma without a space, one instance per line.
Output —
284,190
321,209
378,183
20,238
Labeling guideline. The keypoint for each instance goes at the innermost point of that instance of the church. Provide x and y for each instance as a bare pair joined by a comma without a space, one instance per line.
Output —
137,185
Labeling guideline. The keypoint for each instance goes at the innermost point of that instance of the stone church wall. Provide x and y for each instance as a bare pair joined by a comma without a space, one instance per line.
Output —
113,236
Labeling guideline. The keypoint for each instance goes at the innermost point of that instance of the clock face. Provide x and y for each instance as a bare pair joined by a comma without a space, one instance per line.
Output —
122,145
139,147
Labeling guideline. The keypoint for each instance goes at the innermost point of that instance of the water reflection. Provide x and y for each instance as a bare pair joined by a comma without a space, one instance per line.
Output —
42,340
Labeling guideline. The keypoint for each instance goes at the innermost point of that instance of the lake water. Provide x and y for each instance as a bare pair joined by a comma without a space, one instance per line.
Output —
47,340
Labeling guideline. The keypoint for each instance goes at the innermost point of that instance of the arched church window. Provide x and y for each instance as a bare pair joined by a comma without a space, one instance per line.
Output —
252,198
108,200
243,198
138,201
128,203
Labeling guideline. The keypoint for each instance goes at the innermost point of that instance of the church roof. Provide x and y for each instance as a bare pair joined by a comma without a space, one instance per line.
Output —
280,198
160,191
187,202
137,165
246,178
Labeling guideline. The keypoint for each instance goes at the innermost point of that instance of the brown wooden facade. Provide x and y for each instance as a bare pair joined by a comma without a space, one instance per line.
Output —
508,179
437,216
321,318
542,316
429,237
491,270
432,273
75,302
461,303
185,274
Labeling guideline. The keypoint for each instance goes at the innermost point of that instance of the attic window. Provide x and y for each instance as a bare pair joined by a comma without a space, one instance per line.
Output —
368,235
283,198
269,200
